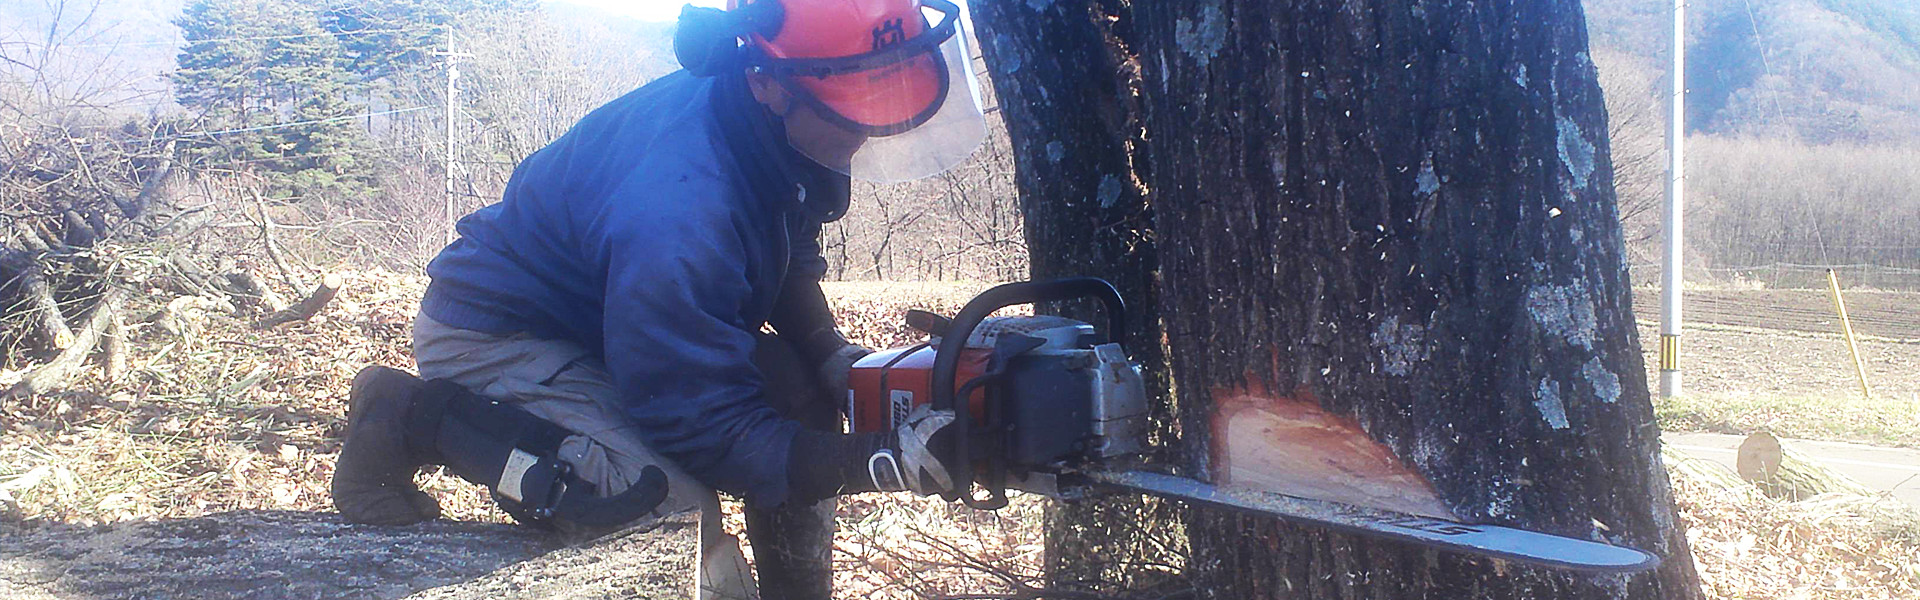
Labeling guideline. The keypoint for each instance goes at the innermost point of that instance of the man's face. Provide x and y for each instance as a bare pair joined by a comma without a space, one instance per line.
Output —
821,141
806,131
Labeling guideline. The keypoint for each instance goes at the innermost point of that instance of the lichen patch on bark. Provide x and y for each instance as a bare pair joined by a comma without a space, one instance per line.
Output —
1565,311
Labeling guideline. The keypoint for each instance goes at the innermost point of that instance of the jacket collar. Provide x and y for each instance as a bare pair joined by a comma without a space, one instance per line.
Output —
777,173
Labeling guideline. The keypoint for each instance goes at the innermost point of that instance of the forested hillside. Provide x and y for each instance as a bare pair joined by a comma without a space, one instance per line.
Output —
1806,114
1804,118
1819,71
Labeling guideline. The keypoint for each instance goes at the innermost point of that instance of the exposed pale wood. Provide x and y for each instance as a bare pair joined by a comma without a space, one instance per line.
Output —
1295,447
177,316
114,348
307,308
31,238
57,373
1787,474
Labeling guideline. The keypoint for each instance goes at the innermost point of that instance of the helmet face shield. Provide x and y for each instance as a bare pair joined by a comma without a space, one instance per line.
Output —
907,110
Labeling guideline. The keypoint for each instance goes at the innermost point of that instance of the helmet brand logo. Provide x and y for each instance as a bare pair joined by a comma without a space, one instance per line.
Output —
890,32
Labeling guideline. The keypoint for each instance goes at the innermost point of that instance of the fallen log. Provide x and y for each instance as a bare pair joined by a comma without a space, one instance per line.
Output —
43,311
31,238
1784,473
306,308
1709,474
57,373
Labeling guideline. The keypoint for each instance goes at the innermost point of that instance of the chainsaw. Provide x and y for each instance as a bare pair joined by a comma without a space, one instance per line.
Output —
1055,407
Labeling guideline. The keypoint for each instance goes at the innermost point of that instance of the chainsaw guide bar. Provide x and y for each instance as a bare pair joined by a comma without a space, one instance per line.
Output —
1054,406
1518,545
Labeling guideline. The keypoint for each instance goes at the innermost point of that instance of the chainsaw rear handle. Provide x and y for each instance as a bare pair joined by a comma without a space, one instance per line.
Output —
946,358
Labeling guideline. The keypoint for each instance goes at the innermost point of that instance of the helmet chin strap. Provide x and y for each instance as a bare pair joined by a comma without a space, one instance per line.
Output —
825,195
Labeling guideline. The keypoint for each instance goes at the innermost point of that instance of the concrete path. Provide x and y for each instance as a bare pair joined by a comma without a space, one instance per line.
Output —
1887,469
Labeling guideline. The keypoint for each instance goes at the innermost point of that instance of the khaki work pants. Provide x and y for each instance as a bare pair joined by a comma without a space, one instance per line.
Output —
569,386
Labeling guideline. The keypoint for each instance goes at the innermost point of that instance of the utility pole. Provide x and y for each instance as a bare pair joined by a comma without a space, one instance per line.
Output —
453,114
1670,278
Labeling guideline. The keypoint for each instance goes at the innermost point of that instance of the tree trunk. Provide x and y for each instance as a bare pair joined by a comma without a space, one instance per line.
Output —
1071,116
1388,226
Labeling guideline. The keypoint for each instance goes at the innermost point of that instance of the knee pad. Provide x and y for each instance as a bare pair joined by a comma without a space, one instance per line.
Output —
516,454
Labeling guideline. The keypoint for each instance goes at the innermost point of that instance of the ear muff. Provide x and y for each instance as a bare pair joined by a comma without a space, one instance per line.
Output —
707,41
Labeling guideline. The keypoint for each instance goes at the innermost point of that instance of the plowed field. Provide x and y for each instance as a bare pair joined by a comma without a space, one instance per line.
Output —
1787,342
1881,314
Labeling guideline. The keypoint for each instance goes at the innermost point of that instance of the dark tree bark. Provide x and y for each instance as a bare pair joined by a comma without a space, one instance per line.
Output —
1391,220
1064,83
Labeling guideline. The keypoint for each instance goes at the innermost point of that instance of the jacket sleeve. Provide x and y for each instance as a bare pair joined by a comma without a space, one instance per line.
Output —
800,314
680,351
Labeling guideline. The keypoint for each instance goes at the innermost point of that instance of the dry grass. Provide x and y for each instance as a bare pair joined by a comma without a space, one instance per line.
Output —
1843,416
1747,546
225,418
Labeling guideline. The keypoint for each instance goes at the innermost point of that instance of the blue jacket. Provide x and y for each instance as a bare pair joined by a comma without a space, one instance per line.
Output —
658,231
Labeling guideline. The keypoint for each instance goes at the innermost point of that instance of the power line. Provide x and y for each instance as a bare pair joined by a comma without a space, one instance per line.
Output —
323,154
299,123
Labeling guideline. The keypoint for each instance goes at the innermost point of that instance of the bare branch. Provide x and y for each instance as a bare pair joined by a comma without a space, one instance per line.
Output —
58,372
306,309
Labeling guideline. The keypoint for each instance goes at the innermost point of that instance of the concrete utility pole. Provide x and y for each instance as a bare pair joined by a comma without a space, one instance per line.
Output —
1670,279
453,114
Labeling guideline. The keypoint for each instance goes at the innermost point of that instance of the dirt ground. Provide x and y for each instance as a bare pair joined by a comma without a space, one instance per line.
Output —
1893,315
202,475
1788,342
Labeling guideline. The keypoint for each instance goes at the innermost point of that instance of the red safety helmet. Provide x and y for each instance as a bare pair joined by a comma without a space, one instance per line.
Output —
881,93
874,78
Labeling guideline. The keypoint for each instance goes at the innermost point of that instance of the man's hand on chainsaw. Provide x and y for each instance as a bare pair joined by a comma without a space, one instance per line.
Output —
914,464
834,368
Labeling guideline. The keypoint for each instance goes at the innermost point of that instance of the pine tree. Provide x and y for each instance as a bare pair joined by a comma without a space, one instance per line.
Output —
269,68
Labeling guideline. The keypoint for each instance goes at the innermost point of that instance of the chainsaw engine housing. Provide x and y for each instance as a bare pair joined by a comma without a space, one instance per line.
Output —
1043,390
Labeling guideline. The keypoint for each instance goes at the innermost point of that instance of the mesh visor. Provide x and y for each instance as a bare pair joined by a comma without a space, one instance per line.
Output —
893,122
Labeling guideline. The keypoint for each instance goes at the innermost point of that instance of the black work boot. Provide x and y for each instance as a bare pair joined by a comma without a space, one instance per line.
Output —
373,480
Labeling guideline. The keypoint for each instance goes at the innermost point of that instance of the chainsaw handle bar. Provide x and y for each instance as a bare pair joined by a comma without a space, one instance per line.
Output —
946,358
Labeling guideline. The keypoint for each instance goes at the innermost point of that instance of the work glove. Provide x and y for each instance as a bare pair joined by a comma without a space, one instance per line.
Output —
913,465
834,369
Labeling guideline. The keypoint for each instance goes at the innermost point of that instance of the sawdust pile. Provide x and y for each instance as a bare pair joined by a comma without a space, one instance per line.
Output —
213,415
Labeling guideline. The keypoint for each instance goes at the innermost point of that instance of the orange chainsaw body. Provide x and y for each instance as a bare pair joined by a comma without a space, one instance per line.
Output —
884,385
